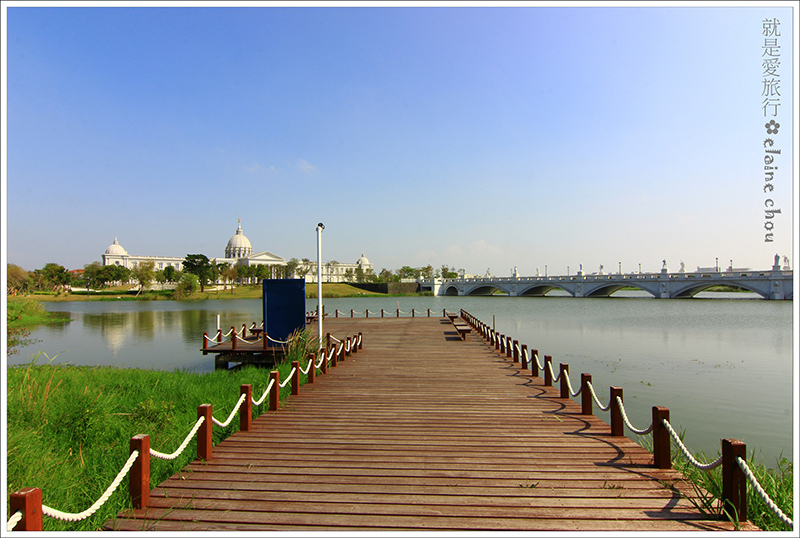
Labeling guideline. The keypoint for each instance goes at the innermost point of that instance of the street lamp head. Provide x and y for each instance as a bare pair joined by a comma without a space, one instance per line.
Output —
321,226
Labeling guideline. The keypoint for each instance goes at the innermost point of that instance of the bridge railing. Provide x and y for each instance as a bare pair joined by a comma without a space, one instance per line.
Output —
735,471
26,506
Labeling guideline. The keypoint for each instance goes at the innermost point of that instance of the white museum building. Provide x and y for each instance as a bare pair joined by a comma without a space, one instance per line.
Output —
239,252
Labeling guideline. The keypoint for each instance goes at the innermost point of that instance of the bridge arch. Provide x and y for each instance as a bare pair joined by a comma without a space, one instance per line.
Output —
607,290
486,290
450,290
694,288
541,290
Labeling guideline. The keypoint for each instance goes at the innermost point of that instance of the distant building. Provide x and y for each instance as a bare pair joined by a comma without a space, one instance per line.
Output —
239,252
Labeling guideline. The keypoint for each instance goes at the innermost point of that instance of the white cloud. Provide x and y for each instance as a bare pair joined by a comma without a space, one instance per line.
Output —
254,168
305,166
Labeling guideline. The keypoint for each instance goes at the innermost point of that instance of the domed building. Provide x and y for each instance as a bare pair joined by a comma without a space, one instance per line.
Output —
116,255
238,246
239,252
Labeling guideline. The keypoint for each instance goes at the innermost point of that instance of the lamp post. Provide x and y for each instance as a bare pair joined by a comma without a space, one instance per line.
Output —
320,227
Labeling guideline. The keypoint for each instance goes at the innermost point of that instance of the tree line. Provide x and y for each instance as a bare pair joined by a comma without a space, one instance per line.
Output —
198,272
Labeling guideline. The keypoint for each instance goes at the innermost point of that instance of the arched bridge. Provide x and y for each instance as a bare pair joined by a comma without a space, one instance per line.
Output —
772,284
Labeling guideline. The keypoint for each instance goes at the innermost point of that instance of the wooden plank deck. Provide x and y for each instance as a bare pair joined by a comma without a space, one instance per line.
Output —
423,431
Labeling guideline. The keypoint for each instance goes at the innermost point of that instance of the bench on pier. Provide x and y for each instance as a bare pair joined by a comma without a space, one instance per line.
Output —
451,316
462,329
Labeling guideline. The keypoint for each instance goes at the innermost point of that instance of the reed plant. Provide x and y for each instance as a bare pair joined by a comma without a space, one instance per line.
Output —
69,426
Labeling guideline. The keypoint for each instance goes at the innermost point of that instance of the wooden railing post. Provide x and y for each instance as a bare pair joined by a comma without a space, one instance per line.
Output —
548,368
205,341
328,336
617,426
508,346
351,312
734,481
534,363
219,336
496,340
139,481
264,340
562,377
204,436
586,396
348,347
524,356
233,338
275,393
324,366
335,358
398,312
312,370
246,410
515,350
360,341
29,502
296,378
366,312
662,458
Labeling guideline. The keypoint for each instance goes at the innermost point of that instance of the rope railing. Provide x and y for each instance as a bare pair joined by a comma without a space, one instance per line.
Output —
230,417
26,506
597,400
179,451
628,422
763,494
68,516
686,453
733,451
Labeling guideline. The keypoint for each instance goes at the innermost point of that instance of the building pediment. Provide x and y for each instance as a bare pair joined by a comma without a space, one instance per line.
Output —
265,257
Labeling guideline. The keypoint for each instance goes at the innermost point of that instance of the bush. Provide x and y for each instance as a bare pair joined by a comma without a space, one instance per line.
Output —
187,285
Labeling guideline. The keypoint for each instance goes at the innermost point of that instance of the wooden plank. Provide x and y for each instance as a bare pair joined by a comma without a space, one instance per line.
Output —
415,432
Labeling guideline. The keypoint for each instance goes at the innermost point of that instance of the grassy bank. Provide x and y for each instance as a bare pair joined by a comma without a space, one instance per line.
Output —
125,293
22,316
69,427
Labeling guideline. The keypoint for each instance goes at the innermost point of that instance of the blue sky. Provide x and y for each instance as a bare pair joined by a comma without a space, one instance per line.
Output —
476,137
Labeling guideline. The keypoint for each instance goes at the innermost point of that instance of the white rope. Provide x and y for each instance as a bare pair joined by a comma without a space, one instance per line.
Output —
553,376
322,357
702,466
628,422
538,364
335,339
162,456
308,367
763,494
13,520
230,417
569,387
266,392
288,378
596,400
289,341
66,516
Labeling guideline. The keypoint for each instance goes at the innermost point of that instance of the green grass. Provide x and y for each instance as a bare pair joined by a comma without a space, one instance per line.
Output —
24,314
69,427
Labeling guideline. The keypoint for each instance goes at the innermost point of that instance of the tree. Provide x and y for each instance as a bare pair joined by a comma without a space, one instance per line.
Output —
17,279
229,273
170,274
93,276
200,266
52,276
426,272
291,267
405,272
144,273
187,285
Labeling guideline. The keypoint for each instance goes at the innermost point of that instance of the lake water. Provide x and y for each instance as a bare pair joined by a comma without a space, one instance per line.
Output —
724,368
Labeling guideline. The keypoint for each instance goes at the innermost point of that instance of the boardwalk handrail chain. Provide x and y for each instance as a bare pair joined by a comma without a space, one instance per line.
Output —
161,455
230,417
630,426
289,341
308,366
763,494
596,399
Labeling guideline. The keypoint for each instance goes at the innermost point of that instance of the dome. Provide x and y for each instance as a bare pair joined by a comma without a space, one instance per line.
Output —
238,246
362,260
116,249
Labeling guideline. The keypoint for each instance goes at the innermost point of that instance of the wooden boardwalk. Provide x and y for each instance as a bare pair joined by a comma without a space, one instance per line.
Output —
421,431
